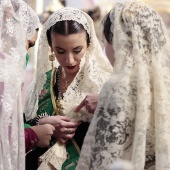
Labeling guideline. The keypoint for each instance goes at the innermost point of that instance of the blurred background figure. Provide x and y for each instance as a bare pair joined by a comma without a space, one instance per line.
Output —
96,15
45,15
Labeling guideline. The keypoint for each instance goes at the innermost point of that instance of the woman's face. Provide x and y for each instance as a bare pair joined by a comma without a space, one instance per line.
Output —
109,51
31,43
69,49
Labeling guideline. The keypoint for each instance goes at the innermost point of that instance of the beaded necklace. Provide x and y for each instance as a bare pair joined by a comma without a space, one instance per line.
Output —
57,93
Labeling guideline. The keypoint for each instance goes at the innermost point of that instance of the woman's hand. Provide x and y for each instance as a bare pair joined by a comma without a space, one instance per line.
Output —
64,128
90,103
44,133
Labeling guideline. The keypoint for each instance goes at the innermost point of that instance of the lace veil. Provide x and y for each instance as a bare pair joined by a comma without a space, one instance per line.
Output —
17,23
132,118
93,72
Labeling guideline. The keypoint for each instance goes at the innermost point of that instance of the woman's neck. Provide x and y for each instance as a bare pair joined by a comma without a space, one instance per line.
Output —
65,76
65,80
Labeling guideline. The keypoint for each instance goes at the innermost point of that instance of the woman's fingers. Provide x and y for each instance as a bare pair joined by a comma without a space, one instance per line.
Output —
78,108
70,124
89,102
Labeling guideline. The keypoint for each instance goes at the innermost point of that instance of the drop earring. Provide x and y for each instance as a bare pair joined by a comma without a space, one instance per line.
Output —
52,58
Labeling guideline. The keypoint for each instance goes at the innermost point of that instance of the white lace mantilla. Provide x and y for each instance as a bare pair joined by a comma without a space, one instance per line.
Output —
14,24
94,70
132,118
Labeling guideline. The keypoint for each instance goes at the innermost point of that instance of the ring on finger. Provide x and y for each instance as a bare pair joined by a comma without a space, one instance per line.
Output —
68,131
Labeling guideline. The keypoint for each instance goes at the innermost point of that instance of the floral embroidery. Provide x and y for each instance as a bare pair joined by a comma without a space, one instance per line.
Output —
43,93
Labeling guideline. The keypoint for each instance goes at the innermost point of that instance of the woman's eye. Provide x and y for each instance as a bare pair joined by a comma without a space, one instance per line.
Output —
60,52
77,51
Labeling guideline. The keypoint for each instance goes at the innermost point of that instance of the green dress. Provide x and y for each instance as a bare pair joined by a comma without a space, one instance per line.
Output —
48,104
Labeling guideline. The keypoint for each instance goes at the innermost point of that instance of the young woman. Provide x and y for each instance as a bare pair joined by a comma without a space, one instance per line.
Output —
132,117
80,69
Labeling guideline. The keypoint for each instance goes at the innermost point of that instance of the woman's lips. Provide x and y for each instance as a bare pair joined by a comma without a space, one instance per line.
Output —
70,67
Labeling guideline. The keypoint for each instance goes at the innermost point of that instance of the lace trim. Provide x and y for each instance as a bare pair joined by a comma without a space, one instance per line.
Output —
75,15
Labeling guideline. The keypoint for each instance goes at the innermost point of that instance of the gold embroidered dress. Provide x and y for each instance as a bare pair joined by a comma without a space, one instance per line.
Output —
49,103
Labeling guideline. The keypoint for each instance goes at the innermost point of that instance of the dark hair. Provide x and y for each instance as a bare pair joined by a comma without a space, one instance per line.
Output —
66,28
106,28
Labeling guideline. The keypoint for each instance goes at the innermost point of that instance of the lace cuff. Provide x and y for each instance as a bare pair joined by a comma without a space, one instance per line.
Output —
39,117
